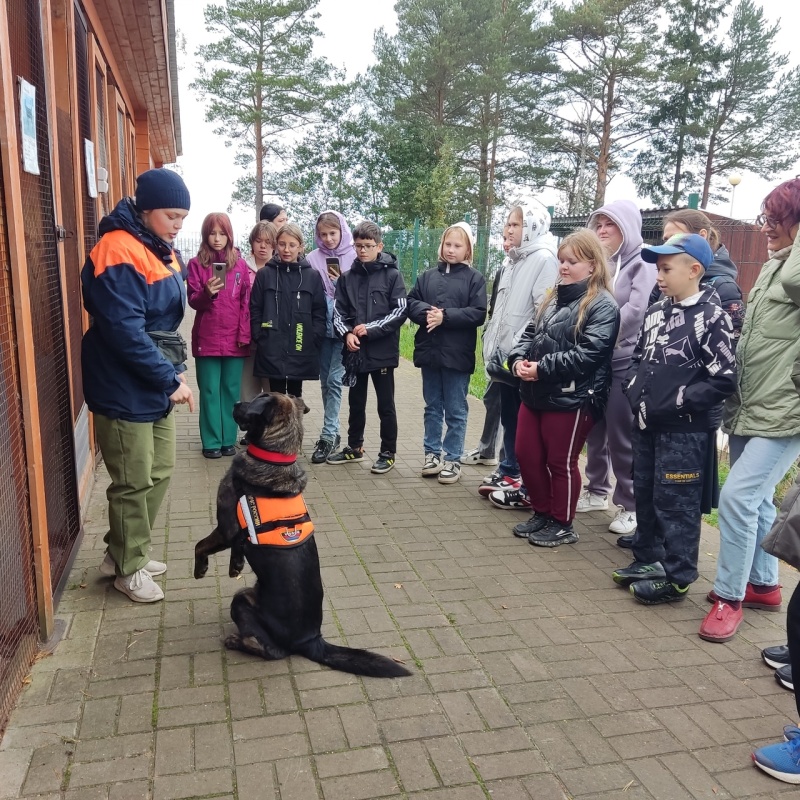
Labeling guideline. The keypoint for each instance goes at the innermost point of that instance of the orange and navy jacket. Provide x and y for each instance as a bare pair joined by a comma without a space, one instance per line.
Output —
132,283
275,521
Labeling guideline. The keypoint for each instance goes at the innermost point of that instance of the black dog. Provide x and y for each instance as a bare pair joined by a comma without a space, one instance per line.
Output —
282,613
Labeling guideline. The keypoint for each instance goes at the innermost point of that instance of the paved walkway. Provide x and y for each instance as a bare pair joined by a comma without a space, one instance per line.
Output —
535,678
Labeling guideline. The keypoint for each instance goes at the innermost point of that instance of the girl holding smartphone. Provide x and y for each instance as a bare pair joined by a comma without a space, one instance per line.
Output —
332,258
219,291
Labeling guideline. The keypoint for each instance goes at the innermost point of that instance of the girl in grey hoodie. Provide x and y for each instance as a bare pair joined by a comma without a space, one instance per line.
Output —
619,226
530,273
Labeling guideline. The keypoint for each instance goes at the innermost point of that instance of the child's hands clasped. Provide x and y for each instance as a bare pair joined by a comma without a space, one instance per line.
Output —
527,370
435,318
352,341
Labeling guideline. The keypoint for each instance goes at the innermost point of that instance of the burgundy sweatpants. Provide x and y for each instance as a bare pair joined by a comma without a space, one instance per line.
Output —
548,445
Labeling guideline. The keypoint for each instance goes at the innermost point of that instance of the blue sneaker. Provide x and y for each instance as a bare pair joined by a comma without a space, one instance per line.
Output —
781,760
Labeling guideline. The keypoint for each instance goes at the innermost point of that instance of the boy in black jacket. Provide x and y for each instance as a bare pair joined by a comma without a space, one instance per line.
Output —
370,308
682,369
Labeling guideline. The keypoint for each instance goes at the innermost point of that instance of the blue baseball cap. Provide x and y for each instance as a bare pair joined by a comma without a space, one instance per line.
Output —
692,244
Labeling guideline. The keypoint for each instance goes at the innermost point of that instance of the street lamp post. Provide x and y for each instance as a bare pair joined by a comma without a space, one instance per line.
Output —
734,180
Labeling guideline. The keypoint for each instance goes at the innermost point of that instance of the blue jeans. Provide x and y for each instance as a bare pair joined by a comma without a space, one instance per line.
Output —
509,411
746,512
331,370
445,394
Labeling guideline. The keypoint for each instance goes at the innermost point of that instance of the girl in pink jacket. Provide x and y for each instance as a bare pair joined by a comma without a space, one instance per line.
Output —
219,291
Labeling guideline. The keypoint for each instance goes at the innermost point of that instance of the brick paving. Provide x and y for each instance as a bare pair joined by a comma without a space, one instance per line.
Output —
535,678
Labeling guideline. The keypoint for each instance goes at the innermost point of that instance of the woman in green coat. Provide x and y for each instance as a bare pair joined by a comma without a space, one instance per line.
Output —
763,421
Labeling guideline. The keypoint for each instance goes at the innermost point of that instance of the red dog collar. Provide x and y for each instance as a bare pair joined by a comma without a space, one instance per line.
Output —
269,457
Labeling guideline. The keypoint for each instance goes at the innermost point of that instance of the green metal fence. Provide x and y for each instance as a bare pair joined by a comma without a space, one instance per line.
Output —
417,250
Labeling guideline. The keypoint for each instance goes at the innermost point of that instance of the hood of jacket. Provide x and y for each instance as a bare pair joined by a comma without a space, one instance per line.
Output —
276,262
344,251
535,231
385,260
627,217
707,294
124,217
722,265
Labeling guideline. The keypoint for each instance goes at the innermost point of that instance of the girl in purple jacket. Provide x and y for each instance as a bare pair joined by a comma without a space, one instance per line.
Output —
221,331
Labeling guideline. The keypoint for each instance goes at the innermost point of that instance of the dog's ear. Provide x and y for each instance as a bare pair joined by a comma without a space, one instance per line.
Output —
258,411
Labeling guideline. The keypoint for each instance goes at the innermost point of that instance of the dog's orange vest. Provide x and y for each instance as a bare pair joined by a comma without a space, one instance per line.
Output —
275,521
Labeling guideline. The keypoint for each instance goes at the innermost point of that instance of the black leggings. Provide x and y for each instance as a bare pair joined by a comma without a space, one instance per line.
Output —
383,381
282,386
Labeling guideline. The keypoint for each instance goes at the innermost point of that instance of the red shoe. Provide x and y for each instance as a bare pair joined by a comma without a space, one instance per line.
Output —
769,601
495,482
721,623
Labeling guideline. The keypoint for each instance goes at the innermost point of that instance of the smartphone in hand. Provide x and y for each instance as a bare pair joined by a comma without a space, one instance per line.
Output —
334,269
218,270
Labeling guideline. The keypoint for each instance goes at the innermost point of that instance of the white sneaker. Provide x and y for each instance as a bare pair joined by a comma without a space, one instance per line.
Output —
474,457
450,472
109,568
588,501
623,522
432,465
140,587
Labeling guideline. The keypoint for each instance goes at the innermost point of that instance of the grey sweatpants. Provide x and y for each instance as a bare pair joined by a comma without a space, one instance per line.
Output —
609,447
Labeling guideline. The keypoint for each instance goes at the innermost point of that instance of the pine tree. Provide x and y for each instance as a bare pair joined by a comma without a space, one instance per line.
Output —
687,75
606,53
260,81
465,75
755,113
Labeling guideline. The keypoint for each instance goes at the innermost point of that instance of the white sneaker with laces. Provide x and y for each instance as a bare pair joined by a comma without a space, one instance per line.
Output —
433,464
109,568
450,472
588,501
474,457
140,587
623,522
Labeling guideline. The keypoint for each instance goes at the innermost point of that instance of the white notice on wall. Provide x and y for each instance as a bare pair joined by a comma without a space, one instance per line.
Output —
27,116
91,178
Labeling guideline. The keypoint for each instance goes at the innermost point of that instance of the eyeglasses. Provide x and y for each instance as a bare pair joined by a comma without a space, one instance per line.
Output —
364,247
770,222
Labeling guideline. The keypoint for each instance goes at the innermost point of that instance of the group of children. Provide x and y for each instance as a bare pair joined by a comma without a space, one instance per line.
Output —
281,318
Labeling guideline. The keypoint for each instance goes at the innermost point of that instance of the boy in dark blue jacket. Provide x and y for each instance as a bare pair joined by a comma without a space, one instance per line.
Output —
369,309
682,369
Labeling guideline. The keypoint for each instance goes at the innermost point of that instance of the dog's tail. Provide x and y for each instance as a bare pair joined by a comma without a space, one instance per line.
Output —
353,660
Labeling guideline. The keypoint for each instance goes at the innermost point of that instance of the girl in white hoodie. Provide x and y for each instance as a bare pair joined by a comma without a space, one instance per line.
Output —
530,273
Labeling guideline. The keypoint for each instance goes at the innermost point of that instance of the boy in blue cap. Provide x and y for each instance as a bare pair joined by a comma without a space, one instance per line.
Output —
683,367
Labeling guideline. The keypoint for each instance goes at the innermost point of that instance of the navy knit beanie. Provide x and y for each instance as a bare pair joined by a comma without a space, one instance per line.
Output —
161,188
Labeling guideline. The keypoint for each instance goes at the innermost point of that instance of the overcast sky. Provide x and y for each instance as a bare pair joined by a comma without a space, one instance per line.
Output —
207,164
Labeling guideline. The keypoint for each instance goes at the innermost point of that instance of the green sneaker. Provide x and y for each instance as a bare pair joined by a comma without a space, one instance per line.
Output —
347,455
652,593
638,571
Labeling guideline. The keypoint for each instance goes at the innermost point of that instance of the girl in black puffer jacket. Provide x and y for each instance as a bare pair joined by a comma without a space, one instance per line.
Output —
449,305
564,362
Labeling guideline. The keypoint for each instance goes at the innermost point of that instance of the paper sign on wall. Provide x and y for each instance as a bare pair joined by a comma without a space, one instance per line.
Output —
91,178
27,116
